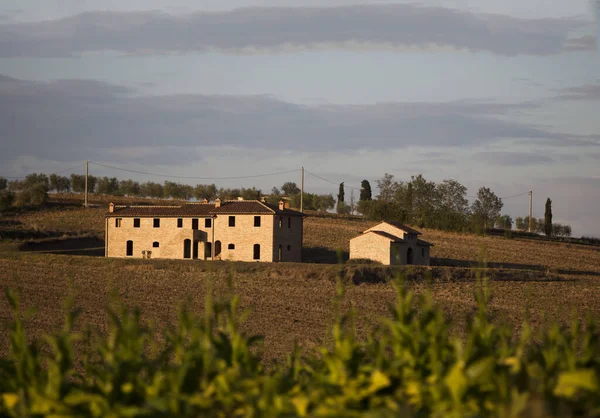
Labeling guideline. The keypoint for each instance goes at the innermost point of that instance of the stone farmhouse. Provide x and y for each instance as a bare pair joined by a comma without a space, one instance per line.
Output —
240,230
391,243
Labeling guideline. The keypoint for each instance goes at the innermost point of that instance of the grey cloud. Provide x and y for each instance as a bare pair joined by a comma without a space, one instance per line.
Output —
585,92
77,119
506,158
391,25
583,43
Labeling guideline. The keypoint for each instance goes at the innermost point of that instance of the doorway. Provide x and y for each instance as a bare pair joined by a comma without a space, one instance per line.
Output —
409,256
187,248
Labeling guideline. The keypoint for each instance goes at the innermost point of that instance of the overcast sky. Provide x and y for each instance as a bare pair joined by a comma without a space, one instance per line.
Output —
503,94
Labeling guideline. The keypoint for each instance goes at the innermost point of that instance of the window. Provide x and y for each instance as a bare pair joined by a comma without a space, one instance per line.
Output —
232,221
257,251
155,244
422,252
289,248
279,254
257,221
290,222
207,223
179,223
118,222
194,224
231,247
136,222
280,221
187,248
129,248
156,222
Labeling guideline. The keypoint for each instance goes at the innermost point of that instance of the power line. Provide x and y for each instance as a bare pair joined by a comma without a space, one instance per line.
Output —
329,181
56,172
195,178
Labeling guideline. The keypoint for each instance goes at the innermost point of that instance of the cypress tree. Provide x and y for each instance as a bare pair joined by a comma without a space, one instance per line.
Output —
365,191
340,196
548,218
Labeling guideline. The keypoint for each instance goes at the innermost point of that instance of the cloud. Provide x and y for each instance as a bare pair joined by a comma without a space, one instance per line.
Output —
84,119
281,29
506,158
585,92
583,43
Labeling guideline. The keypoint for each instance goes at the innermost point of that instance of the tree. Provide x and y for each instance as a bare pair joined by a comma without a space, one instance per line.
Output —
520,224
365,191
7,199
129,188
340,199
453,205
504,222
78,183
387,188
205,191
548,218
3,184
251,193
487,207
425,202
107,185
151,189
59,183
290,189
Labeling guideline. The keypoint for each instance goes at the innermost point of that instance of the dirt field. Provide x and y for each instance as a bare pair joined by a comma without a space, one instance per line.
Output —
292,301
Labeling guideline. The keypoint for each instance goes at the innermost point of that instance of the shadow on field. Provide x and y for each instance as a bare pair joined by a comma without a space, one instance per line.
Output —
322,255
89,245
449,262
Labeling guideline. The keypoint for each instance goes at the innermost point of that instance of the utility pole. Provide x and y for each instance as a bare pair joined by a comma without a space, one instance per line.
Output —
530,208
87,163
302,192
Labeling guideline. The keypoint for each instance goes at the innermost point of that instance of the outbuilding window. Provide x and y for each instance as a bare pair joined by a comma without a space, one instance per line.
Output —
180,223
422,252
118,222
257,221
156,222
155,244
232,221
136,222
207,223
231,247
289,222
257,251
194,224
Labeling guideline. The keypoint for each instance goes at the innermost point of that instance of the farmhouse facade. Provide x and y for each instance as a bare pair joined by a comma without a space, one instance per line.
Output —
238,230
391,243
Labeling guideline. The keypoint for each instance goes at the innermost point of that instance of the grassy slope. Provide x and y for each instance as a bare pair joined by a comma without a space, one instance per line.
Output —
292,301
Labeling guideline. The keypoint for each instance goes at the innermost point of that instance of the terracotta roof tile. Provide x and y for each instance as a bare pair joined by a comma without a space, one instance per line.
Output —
201,210
403,227
424,243
387,235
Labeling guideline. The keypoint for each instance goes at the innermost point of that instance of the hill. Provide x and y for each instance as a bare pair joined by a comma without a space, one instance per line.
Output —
292,302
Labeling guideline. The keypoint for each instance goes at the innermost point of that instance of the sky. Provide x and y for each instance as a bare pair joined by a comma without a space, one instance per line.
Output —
501,94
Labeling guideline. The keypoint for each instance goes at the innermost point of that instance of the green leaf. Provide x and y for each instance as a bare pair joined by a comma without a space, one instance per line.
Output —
569,383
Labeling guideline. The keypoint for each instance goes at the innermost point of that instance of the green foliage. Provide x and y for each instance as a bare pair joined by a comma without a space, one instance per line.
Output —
3,184
205,191
290,189
205,365
548,218
487,207
341,206
365,191
59,183
7,199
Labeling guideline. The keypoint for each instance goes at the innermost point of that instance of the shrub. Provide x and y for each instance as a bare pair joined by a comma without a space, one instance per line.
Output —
409,366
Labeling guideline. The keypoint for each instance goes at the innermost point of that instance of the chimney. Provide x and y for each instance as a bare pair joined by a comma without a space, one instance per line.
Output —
286,204
218,203
111,207
205,200
281,205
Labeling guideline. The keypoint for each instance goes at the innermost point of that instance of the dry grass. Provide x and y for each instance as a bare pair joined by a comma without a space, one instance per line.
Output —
293,301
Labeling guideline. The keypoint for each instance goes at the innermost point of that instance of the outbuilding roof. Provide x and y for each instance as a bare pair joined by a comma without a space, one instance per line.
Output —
403,227
240,207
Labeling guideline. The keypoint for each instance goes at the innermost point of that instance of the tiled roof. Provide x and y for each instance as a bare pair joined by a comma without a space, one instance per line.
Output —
403,227
388,236
191,209
424,243
202,210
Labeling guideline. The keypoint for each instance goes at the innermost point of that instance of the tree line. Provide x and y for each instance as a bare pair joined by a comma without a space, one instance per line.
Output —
34,189
417,202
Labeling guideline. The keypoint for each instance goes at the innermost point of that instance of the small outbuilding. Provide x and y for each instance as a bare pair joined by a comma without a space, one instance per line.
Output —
391,243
